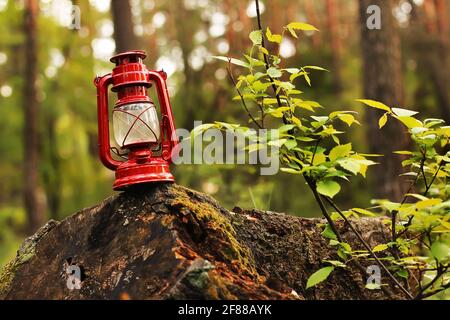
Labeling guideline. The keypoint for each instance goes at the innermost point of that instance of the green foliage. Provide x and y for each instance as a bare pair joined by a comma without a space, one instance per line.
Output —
311,146
421,218
319,276
328,188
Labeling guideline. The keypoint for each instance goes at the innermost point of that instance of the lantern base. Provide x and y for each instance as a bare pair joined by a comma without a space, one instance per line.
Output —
131,173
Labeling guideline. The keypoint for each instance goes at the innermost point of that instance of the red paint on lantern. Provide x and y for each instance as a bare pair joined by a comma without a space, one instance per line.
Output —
148,160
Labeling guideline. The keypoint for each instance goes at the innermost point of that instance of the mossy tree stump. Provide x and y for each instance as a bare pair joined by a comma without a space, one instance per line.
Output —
168,242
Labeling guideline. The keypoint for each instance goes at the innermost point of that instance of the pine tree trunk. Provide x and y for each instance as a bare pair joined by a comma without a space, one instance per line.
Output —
430,42
123,26
441,78
333,32
33,205
382,81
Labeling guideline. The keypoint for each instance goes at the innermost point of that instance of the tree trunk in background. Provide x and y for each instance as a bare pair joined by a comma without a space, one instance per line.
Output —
333,32
430,41
312,19
442,15
382,81
33,207
123,26
430,19
441,72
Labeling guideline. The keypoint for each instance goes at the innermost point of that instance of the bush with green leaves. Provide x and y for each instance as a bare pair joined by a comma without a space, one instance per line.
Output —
311,146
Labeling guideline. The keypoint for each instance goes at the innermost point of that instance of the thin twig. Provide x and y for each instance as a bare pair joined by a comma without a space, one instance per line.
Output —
434,178
266,59
421,295
230,74
315,151
406,196
366,245
310,182
324,210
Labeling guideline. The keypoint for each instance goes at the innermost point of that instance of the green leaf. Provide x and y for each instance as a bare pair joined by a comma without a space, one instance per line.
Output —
301,26
347,118
427,203
440,250
380,247
290,170
305,139
403,273
296,75
273,37
319,158
336,263
404,112
292,32
201,128
259,86
286,128
340,151
328,188
307,78
271,101
315,68
410,122
274,72
277,143
372,286
254,62
289,144
256,37
351,165
382,121
375,104
403,152
264,50
328,233
364,212
319,276
232,61
278,112
292,70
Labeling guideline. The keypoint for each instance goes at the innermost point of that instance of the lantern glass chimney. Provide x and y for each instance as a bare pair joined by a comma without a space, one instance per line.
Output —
136,123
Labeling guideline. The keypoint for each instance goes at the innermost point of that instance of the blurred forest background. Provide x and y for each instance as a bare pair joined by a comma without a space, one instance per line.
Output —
48,125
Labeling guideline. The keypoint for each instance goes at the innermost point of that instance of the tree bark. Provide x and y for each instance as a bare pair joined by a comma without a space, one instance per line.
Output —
440,68
33,205
429,39
312,19
333,32
164,241
382,80
123,26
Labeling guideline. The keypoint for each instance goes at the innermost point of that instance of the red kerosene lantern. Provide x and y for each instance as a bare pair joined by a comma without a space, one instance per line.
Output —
145,145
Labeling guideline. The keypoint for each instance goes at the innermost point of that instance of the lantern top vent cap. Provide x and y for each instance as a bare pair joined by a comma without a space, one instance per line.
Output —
129,57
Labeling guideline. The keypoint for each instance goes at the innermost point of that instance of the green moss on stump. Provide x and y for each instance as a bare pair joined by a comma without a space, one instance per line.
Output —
205,212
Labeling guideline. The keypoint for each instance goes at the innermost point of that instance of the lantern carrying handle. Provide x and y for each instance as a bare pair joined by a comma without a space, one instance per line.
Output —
104,146
171,142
